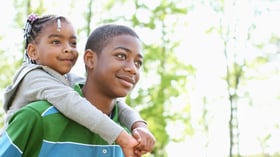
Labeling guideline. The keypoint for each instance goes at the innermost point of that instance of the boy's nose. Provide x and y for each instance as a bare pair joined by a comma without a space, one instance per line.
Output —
131,67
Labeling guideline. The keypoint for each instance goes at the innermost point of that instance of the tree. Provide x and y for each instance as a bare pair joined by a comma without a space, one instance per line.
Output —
236,37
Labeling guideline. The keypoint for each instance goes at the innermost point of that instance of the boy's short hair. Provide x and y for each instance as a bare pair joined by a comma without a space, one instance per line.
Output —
100,37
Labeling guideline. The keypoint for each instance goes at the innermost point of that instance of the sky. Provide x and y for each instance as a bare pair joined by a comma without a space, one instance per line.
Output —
205,52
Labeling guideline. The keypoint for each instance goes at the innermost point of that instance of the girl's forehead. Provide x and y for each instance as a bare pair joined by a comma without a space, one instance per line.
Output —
58,25
55,29
56,22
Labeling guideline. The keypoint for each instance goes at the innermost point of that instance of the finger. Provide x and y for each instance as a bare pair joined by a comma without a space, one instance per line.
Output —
144,152
136,135
137,153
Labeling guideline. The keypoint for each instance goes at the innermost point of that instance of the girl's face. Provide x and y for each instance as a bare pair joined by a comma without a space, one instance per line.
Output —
117,69
55,48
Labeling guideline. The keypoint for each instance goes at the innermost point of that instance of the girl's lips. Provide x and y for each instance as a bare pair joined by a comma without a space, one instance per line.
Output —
67,60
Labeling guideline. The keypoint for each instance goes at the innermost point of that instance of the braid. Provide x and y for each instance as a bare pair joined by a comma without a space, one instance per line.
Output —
33,28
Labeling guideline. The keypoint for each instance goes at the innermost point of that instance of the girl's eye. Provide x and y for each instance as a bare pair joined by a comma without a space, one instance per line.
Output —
74,44
56,42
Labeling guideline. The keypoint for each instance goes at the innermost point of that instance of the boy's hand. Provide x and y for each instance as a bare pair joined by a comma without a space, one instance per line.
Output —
128,144
145,139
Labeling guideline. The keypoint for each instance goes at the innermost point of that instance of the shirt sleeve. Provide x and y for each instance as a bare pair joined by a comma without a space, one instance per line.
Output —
23,137
47,87
127,115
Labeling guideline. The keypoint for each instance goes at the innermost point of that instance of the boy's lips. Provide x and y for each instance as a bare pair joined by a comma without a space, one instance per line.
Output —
127,80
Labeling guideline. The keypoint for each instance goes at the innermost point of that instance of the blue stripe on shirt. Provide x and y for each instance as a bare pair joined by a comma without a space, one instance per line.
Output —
50,110
8,149
71,149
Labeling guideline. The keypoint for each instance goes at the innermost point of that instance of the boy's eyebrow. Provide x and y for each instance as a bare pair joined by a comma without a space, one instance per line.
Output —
127,50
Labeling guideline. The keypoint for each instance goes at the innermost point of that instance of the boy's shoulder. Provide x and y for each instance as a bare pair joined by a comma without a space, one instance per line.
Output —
40,106
75,79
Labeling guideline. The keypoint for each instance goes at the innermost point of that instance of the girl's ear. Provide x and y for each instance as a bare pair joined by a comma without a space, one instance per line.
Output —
32,52
90,59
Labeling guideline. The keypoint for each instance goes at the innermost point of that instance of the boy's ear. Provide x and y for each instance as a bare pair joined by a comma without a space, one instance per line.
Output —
90,59
32,52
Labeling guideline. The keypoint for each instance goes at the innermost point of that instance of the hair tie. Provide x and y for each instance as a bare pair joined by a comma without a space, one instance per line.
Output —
32,18
27,28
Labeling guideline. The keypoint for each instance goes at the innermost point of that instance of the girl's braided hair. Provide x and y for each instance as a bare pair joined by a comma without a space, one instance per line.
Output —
33,27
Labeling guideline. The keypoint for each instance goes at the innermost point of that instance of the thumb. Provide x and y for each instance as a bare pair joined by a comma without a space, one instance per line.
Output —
136,135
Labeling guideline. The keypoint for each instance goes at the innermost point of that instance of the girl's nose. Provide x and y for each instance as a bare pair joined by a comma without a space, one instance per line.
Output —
67,50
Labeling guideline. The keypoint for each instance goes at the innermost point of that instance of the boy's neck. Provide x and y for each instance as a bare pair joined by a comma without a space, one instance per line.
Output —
97,99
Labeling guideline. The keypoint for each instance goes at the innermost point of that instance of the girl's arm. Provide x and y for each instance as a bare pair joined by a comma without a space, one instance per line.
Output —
45,84
128,116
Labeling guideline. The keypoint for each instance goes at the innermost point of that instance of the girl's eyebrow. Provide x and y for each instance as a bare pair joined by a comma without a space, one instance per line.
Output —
60,36
127,50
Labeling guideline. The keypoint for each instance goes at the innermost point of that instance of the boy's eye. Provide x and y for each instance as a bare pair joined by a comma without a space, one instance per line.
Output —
121,56
138,63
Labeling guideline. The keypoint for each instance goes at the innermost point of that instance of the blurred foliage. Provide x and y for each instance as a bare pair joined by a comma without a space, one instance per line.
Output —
169,78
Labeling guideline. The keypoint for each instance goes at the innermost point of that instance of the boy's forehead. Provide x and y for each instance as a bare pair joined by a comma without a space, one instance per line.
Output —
126,42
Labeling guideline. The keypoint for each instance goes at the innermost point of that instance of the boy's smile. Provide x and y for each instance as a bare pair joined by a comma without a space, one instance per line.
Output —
118,65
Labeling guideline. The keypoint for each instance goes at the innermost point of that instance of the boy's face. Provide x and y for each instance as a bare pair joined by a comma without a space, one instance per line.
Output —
56,48
117,69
